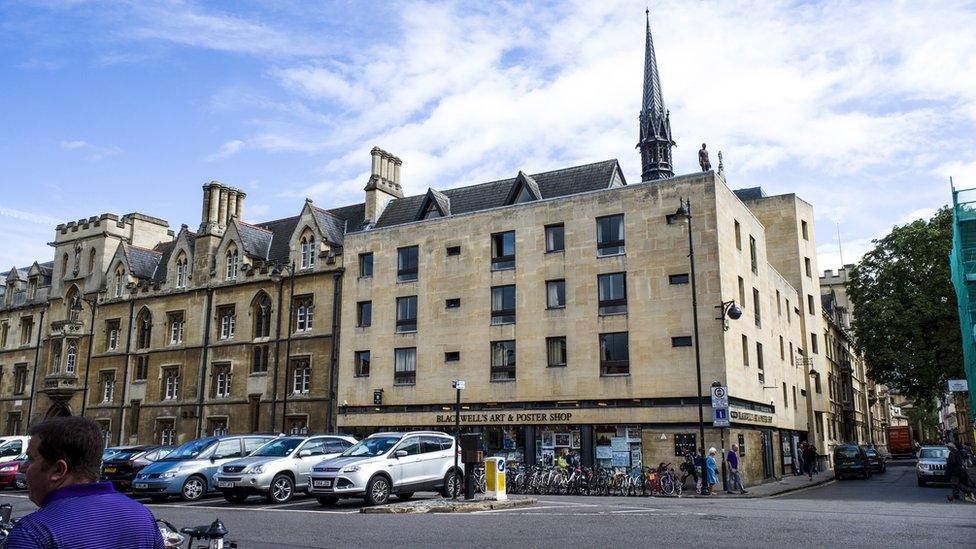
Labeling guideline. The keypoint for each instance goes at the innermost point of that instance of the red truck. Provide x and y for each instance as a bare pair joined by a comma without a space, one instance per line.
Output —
901,441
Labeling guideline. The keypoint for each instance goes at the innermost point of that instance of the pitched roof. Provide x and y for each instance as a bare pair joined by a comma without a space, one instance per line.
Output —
166,250
332,225
435,199
484,196
526,181
752,193
255,240
281,231
142,262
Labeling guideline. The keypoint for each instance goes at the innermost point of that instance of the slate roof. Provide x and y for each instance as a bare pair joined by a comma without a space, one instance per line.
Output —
752,193
166,250
142,262
255,240
333,226
47,269
484,196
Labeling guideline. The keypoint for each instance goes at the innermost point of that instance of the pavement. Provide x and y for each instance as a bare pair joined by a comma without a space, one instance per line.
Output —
776,487
888,510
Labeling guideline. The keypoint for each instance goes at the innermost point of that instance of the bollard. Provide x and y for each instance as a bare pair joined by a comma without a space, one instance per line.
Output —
495,479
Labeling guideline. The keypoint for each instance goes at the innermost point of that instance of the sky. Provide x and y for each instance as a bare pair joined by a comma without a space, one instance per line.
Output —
864,109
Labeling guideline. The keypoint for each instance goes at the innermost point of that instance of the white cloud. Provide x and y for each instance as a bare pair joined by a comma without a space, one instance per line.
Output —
227,150
95,152
30,217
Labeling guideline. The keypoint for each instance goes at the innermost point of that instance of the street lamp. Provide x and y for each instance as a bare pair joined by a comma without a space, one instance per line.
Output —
684,213
727,310
76,308
276,277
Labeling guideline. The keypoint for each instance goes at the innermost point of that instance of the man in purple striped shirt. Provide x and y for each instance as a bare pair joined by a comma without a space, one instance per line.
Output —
64,457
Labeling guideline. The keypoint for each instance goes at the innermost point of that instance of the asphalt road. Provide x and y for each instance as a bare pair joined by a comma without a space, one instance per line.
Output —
886,511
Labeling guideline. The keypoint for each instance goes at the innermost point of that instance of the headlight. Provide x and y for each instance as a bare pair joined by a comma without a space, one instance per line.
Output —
350,469
168,474
256,469
9,468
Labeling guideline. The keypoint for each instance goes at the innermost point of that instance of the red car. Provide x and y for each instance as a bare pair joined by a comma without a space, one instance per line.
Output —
8,474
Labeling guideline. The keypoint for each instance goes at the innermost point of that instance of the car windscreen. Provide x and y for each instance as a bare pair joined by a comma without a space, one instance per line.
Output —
371,447
871,453
125,455
933,453
191,450
847,451
278,448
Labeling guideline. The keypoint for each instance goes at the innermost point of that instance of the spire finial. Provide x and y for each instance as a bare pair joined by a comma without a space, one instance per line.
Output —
655,125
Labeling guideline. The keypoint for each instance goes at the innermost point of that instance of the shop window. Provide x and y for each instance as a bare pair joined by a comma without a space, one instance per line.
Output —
366,265
614,354
556,294
364,314
406,314
503,304
681,341
681,278
610,235
556,352
503,360
555,238
362,363
453,250
612,293
407,264
503,251
405,366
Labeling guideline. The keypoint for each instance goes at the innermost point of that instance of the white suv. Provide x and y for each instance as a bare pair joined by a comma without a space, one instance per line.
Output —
389,463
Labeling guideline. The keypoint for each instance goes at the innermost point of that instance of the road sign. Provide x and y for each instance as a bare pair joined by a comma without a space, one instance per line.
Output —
720,407
459,384
720,417
958,385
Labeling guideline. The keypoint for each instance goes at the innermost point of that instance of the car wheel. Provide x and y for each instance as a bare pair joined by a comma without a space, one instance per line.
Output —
377,491
452,484
404,496
235,498
20,484
921,482
193,489
282,489
328,501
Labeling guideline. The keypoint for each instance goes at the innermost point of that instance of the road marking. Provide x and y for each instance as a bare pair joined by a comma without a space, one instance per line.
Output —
14,496
262,509
646,510
507,510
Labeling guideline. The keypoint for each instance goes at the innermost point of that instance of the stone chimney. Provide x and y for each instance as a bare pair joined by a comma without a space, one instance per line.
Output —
220,205
384,184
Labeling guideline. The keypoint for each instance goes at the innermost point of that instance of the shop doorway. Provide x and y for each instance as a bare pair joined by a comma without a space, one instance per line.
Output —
767,453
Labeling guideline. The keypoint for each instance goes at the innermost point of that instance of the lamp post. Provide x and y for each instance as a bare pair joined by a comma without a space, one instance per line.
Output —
77,308
277,277
458,385
684,212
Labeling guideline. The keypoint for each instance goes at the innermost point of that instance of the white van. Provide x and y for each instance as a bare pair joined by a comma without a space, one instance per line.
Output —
12,446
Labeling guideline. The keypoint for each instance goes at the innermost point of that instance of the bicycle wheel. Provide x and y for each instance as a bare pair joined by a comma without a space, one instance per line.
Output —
667,485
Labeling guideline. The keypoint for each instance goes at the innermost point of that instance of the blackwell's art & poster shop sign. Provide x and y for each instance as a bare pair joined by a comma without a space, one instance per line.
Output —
508,418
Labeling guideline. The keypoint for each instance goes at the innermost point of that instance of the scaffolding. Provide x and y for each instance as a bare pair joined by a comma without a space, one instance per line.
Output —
963,264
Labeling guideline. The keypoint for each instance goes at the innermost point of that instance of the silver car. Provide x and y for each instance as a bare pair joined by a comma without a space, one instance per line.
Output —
389,463
279,468
931,465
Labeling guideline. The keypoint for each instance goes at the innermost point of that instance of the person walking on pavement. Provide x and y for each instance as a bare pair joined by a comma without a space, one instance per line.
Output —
733,460
958,476
710,470
809,459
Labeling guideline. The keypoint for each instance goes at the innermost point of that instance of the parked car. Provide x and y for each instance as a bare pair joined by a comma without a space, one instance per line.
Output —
851,460
931,466
879,461
12,447
123,465
384,464
11,475
189,469
279,468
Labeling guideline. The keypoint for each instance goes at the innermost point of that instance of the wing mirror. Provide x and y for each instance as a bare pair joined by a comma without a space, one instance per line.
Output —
400,454
304,453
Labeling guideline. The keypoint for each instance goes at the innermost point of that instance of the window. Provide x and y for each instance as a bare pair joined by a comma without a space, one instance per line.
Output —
742,292
142,368
791,354
789,313
26,329
362,363
112,334
806,265
782,352
453,250
786,398
233,264
176,325
32,287
610,235
107,381
503,304
810,305
753,258
755,308
171,382
681,341
759,356
738,235
261,310
220,385
614,354
503,251
304,313
779,305
4,332
166,429
56,356
407,260
503,360
453,303
259,358
301,376
364,314
91,261
13,423
366,265
452,356
20,379
64,265
745,350
555,352
144,330
182,271
556,294
804,229
71,358
406,314
555,238
228,321
298,425
681,278
307,255
813,344
217,426
794,397
119,281
405,366
612,293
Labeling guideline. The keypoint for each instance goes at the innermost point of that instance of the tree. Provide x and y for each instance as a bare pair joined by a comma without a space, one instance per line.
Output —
905,318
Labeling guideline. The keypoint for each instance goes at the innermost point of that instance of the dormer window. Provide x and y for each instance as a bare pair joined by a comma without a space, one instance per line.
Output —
524,196
233,264
31,287
119,281
432,213
308,252
182,271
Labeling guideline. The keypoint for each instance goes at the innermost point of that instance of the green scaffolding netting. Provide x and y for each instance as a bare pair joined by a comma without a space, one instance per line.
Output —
963,264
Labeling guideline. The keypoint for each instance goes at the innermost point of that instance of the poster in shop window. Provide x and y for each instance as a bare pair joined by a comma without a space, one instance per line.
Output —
621,459
548,457
619,444
635,457
561,440
576,440
604,452
547,439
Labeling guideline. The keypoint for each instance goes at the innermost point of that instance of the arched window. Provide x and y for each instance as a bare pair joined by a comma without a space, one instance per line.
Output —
144,329
233,263
91,261
71,313
181,271
64,266
119,281
262,315
71,359
307,251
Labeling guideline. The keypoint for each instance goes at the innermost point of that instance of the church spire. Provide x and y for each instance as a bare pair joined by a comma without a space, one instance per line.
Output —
655,124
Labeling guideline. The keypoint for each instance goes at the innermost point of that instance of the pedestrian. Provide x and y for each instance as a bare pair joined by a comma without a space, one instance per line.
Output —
799,458
958,476
733,460
76,510
809,459
710,470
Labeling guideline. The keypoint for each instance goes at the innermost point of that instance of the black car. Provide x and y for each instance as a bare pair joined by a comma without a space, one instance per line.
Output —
851,460
879,461
122,466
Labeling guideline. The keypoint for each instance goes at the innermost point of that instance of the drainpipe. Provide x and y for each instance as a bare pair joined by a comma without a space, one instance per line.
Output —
201,383
277,347
330,422
37,357
125,371
291,305
91,343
